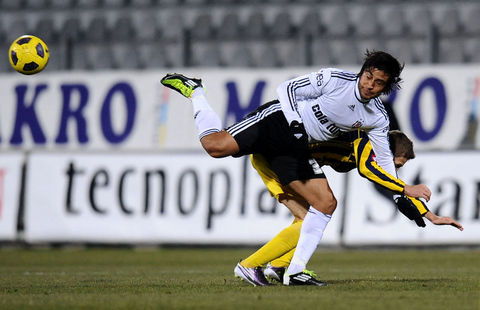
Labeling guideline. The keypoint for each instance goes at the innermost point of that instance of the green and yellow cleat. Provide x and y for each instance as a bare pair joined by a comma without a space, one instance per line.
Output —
182,84
306,277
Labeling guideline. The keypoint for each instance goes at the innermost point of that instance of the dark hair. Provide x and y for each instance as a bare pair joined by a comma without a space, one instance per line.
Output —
388,64
400,144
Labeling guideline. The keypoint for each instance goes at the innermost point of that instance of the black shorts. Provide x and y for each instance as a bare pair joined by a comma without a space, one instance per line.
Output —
266,131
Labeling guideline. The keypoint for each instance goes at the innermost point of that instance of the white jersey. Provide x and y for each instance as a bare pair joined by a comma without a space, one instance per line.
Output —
328,102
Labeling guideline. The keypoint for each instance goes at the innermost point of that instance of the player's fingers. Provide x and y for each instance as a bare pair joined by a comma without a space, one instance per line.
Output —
427,192
449,221
457,225
426,195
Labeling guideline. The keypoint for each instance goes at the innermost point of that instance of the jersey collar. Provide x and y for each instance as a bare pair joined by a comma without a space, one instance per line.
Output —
357,94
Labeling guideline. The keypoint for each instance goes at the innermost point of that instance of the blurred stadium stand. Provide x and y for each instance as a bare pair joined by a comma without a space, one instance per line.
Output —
139,34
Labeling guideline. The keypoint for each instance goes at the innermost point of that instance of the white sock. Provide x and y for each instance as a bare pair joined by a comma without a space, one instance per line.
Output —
206,120
310,235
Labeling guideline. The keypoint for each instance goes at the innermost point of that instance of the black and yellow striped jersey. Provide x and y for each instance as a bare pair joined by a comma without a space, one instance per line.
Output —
343,154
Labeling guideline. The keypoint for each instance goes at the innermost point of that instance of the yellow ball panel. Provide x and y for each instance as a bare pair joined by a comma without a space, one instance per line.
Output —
28,54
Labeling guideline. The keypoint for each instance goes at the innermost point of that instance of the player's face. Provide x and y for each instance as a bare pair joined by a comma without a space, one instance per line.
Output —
399,161
372,82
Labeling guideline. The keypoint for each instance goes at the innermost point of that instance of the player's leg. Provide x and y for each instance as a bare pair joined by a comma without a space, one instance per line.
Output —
317,192
215,141
220,144
275,270
279,262
284,242
323,203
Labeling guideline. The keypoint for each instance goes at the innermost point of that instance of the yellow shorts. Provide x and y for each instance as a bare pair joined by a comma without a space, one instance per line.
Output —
268,176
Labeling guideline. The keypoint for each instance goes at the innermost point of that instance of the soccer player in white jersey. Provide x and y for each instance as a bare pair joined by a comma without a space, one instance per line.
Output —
318,106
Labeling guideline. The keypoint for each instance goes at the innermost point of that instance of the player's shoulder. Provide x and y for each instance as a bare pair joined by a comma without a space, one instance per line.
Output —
332,77
380,109
340,74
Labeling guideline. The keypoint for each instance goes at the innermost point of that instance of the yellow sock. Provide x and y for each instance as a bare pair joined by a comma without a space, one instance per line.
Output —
284,260
284,242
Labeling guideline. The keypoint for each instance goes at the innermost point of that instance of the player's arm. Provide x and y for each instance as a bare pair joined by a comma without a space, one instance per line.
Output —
379,140
368,168
412,208
301,88
416,210
442,220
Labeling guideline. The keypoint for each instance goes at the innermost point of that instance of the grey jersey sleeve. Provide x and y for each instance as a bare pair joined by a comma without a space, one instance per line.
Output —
309,86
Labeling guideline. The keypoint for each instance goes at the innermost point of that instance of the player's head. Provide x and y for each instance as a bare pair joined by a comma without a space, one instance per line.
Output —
401,147
380,74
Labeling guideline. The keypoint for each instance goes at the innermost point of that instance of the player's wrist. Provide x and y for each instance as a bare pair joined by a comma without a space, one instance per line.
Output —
430,216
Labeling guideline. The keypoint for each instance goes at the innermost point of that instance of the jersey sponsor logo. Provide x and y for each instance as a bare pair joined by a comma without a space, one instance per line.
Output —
332,128
319,114
319,79
351,107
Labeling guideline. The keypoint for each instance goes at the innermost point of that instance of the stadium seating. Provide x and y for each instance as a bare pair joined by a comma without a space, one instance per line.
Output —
282,27
472,50
249,33
448,23
71,30
97,30
256,27
230,27
123,29
45,29
337,21
289,53
311,24
392,21
203,28
365,21
471,23
60,4
206,55
418,20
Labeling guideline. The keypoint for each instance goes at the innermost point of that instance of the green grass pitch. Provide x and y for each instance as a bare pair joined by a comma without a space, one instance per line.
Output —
199,278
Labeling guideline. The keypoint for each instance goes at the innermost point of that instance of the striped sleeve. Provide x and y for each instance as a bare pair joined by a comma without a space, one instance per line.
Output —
368,168
305,87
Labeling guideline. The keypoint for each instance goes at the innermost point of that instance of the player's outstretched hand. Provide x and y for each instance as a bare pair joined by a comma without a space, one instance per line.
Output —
443,220
418,191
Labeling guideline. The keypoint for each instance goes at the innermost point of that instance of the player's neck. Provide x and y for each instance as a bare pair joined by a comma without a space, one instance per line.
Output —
358,95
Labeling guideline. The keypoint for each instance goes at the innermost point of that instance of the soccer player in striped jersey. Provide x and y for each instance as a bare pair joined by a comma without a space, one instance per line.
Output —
315,107
343,154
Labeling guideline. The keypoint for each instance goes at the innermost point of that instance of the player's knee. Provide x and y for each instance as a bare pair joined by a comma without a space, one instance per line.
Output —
214,147
327,205
213,150
219,144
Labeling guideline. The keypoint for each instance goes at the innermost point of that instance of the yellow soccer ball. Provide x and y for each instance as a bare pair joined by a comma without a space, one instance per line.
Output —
28,54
